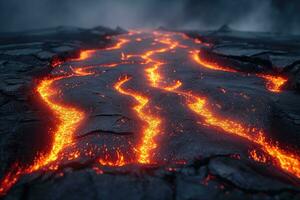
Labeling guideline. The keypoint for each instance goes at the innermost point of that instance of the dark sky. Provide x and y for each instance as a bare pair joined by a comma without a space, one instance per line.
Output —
256,15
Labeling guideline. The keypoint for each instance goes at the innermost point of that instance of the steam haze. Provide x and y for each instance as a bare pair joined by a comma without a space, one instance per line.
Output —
253,15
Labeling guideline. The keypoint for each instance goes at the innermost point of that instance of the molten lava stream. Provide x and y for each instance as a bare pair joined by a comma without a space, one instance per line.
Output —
210,65
85,54
118,45
288,162
108,160
152,122
273,83
69,119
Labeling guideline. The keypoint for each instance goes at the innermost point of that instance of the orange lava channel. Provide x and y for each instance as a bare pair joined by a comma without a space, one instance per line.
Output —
152,123
108,161
84,54
274,83
69,119
287,161
10,179
118,45
82,71
209,65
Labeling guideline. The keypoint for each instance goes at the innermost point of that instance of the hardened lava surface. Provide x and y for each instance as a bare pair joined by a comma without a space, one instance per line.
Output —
149,114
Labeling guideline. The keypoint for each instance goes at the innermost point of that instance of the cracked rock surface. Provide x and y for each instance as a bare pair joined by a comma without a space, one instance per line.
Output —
217,166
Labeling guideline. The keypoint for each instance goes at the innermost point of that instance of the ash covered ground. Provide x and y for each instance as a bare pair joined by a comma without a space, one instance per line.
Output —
149,114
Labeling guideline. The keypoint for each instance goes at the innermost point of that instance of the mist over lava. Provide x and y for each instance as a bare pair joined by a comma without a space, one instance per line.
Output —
269,15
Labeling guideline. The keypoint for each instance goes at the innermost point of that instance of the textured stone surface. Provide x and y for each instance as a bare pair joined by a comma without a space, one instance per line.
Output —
212,170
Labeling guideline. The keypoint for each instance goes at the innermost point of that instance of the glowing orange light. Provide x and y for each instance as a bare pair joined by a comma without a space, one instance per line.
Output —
274,83
56,62
173,87
152,123
82,71
108,161
10,179
118,45
69,118
153,75
110,65
257,157
197,41
84,54
123,56
285,160
209,65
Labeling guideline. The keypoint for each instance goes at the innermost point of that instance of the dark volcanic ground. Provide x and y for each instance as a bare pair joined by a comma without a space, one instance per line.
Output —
192,160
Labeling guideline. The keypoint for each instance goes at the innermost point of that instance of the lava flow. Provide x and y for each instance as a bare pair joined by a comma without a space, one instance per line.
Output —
274,83
152,123
118,45
289,162
210,65
118,161
84,54
68,120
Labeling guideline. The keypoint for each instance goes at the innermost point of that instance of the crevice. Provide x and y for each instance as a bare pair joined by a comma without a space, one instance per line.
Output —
99,132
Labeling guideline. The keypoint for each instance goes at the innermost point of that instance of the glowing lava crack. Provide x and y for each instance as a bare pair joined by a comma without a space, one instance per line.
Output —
69,118
273,83
289,162
152,123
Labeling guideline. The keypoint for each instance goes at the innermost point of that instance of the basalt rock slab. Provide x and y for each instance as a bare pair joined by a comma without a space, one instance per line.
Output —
192,159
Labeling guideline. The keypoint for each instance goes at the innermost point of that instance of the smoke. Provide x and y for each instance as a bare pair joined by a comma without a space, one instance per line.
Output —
251,15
